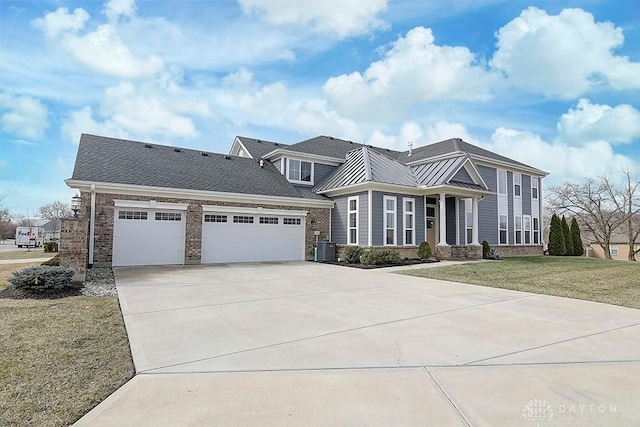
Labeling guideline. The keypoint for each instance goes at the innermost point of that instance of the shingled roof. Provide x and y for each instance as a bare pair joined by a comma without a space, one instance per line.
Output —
120,161
259,147
450,146
329,146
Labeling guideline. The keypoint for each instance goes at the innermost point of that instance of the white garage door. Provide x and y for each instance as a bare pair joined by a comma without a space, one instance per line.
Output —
148,237
252,237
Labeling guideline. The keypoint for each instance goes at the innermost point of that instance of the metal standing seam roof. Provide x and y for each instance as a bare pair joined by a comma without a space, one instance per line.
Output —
365,164
441,172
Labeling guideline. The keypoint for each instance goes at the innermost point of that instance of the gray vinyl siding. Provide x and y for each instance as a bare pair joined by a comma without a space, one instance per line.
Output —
526,195
339,219
488,207
511,232
321,171
378,218
463,176
451,220
278,164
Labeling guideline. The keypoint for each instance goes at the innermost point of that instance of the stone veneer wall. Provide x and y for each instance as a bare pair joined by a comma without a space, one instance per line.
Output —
103,243
73,250
518,250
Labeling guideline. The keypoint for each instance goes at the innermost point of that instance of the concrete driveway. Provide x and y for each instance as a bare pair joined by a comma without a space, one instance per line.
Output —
313,344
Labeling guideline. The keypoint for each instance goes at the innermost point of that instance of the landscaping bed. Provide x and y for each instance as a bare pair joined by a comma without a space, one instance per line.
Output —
404,262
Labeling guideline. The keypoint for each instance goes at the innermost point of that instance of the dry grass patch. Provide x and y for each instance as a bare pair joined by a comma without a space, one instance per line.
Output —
611,282
60,357
24,254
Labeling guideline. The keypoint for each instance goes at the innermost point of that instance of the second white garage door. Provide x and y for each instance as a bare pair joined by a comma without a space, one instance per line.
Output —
252,236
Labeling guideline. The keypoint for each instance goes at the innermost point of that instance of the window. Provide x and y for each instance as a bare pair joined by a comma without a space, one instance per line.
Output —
291,221
132,215
517,184
431,211
168,216
518,227
389,220
299,170
240,219
534,187
409,221
468,219
215,218
502,181
352,227
536,231
526,223
613,249
432,201
268,220
502,230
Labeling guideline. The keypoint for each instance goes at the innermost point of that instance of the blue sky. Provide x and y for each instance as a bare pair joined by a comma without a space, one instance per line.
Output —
555,84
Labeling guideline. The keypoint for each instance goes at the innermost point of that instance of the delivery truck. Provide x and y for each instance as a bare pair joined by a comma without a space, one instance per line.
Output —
29,237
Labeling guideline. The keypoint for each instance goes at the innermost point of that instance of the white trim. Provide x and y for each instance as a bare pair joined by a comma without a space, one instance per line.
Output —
506,182
500,229
243,147
515,229
369,217
500,164
92,225
280,152
253,211
395,220
404,221
458,200
149,204
355,211
524,230
179,193
297,181
519,175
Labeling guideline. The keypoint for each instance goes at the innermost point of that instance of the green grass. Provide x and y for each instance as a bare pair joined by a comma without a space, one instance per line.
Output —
60,357
24,254
611,282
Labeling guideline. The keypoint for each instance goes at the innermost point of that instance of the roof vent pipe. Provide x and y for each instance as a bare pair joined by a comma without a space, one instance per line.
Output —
410,148
261,163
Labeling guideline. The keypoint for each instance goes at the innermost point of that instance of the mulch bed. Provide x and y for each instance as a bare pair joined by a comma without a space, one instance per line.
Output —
404,262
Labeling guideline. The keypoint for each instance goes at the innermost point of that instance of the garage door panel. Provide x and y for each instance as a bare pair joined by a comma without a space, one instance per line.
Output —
148,242
232,242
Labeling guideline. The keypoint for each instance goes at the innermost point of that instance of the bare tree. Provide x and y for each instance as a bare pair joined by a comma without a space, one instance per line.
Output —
596,204
629,194
55,210
6,227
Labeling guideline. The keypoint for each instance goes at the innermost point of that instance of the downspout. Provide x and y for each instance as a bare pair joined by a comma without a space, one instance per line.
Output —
92,224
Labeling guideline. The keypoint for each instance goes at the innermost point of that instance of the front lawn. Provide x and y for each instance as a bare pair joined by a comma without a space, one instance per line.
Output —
611,282
60,357
25,254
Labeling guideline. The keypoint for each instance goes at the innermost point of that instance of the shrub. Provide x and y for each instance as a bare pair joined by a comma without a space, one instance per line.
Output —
352,254
43,278
54,262
486,249
50,246
380,257
578,249
556,237
424,251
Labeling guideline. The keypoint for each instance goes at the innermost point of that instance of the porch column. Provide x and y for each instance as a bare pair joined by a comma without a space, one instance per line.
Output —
474,227
442,220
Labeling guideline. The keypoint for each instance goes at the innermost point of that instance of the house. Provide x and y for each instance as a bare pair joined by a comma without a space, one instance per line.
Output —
618,247
52,230
147,203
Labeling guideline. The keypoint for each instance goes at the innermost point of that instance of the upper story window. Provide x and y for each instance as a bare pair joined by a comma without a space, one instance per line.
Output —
502,181
517,184
299,170
534,187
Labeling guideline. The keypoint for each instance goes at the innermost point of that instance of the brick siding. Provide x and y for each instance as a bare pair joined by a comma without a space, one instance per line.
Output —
73,249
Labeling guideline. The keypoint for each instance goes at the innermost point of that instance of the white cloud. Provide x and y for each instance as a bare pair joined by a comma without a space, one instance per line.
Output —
563,55
25,116
415,70
116,8
148,111
595,122
61,21
563,161
443,130
101,50
339,18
